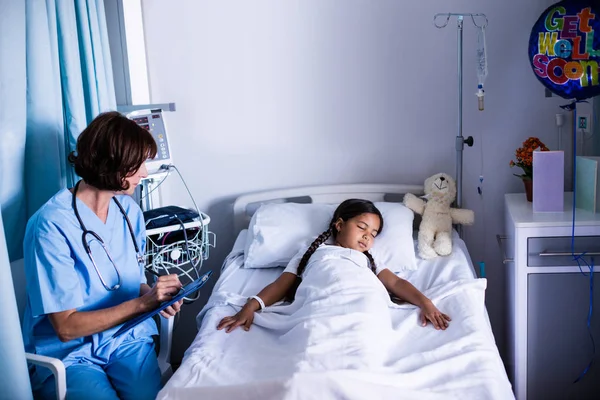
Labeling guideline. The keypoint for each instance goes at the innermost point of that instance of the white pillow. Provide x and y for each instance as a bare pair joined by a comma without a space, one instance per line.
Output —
394,247
278,231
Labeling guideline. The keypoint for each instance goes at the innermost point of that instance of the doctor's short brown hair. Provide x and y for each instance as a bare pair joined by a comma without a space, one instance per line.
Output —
110,149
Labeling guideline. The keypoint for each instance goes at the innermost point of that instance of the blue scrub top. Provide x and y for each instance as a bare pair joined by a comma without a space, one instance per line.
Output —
60,276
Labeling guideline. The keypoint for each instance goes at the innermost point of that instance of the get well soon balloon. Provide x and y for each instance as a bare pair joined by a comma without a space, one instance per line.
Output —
564,48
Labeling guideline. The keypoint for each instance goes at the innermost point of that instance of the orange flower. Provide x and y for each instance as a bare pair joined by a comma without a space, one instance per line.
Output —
524,156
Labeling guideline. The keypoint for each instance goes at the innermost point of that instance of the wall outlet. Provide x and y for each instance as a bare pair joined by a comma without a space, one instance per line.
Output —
583,123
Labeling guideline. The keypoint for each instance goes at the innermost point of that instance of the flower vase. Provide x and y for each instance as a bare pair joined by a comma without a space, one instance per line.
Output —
528,189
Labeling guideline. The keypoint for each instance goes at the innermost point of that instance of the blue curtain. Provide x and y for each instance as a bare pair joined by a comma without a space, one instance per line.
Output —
14,379
68,82
13,117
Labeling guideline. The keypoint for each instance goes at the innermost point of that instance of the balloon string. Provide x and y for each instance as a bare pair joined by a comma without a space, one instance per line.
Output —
571,106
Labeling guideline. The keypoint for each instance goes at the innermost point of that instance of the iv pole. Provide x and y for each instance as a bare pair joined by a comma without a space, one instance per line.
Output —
460,140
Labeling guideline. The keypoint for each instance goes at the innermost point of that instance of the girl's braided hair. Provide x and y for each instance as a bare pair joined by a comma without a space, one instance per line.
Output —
348,209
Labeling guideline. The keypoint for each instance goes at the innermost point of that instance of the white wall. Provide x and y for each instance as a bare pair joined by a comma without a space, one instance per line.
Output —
283,93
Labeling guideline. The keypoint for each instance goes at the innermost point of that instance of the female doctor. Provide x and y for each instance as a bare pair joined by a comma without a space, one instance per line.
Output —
83,255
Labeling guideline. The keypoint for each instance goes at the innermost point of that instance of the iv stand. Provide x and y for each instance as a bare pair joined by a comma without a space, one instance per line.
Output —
460,140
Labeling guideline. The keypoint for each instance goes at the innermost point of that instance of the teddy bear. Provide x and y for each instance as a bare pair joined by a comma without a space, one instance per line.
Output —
435,231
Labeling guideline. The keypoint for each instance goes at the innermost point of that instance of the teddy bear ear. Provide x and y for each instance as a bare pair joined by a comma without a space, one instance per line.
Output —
429,180
427,184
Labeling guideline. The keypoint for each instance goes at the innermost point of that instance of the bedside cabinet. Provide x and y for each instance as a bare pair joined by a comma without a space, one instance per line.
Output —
548,301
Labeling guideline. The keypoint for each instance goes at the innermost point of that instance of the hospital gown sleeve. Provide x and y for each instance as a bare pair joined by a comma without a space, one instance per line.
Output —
379,266
52,282
292,266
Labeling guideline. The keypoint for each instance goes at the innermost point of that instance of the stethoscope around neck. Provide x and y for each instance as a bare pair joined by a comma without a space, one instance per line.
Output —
87,248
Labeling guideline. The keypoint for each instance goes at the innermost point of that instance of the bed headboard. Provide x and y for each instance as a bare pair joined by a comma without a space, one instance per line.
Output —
245,205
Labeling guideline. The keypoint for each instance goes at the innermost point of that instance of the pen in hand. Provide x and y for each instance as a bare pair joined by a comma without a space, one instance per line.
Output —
153,272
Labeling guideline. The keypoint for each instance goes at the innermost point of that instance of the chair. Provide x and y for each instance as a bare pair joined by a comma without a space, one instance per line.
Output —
56,366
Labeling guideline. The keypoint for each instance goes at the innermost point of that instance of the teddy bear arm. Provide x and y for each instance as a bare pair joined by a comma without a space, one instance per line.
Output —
414,203
462,216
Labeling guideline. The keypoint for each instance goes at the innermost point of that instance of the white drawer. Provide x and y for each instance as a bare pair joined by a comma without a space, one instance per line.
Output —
556,251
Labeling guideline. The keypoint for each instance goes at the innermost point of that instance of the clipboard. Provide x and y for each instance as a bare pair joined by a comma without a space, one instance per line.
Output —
186,291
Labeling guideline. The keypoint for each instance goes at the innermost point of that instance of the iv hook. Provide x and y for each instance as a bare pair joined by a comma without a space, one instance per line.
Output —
448,15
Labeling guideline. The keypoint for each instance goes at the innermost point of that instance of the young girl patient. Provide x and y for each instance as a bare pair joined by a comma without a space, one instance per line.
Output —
354,226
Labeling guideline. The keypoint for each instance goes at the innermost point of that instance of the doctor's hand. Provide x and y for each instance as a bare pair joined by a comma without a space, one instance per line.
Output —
430,313
163,289
172,309
244,317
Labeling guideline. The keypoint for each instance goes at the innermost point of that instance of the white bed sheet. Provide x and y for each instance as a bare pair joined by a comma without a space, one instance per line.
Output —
462,362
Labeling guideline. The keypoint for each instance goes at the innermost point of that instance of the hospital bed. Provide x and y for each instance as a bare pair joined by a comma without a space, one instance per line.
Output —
461,362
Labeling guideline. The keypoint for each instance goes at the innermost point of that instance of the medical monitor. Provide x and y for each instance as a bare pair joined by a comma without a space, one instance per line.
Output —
153,121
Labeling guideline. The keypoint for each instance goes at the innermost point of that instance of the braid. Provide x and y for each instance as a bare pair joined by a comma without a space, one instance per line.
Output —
304,261
393,298
311,249
371,261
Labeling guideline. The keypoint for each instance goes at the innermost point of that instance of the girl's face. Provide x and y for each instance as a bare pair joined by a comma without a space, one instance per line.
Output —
357,233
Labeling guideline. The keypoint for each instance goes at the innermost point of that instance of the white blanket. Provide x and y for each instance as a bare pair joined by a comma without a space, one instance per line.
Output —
343,339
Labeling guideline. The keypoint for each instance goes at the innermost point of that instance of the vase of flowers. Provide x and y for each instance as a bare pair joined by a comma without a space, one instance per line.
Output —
524,156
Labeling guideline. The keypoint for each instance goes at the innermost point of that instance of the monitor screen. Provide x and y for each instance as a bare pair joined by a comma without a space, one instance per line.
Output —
153,122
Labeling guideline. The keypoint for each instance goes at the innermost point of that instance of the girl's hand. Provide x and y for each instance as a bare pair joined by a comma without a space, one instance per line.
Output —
244,317
429,312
